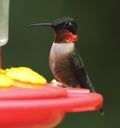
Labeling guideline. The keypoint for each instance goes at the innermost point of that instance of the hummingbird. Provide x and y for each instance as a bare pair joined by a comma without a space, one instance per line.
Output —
65,62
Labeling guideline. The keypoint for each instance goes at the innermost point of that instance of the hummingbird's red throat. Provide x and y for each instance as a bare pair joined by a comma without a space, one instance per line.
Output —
64,36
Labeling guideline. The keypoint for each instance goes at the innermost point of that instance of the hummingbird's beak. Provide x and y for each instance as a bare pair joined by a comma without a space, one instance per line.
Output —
40,24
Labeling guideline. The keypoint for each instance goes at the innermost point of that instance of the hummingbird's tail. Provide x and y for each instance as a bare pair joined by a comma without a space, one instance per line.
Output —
101,111
93,90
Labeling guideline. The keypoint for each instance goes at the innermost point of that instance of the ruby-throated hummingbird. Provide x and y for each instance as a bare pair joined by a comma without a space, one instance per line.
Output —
65,61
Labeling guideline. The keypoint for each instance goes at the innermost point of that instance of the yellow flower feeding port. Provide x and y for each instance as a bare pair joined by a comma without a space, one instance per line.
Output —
22,77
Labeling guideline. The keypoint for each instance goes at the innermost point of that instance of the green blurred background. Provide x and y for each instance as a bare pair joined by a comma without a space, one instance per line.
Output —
99,46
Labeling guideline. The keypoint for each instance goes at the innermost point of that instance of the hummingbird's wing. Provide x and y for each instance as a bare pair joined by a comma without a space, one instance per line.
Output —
79,71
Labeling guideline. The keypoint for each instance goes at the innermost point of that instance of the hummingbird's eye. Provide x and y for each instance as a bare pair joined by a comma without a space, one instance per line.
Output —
71,26
68,23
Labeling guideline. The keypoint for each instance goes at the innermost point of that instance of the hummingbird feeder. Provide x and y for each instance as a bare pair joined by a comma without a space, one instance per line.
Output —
28,100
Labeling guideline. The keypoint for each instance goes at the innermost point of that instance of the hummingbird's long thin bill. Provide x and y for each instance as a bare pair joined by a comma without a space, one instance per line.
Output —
40,24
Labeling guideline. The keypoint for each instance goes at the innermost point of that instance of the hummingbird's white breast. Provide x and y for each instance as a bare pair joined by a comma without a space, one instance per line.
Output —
60,51
62,48
59,61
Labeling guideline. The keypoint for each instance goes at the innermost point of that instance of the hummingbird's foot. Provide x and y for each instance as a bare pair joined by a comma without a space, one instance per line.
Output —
55,83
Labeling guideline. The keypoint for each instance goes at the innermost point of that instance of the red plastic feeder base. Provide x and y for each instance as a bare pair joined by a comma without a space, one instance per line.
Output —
43,108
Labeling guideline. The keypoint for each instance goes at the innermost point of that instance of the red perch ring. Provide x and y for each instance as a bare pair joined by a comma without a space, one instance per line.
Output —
43,108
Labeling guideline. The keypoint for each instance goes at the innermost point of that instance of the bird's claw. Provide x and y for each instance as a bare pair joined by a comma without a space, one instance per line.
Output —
55,83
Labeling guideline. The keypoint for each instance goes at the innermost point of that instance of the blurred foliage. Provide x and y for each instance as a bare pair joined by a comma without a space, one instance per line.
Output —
99,46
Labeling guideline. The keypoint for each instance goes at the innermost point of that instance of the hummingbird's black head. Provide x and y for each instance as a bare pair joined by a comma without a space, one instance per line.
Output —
65,29
65,23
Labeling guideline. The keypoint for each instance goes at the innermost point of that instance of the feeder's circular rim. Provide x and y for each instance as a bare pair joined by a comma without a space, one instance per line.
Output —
71,100
31,108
